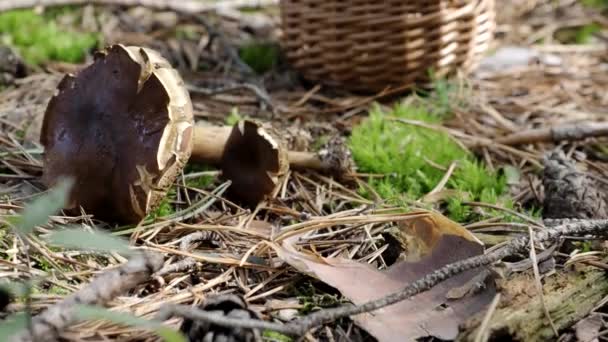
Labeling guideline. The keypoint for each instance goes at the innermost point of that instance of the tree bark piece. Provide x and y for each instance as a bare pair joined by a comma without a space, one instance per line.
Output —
569,297
48,325
570,193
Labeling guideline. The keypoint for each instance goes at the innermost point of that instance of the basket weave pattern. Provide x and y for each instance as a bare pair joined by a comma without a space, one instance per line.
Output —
370,44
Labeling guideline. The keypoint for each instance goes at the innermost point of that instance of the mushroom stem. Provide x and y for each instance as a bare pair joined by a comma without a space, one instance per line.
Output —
209,141
304,160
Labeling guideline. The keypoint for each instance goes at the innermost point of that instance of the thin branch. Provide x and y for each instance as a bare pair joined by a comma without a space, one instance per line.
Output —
186,264
189,263
539,284
568,132
482,335
301,326
48,325
258,91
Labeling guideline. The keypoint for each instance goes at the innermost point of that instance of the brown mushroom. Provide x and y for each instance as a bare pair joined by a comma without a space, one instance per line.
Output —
123,129
253,157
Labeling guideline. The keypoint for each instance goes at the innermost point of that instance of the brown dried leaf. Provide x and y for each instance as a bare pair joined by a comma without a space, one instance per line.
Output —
437,312
422,235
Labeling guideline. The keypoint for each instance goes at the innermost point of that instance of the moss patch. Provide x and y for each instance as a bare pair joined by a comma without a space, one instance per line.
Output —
260,56
273,336
38,38
413,161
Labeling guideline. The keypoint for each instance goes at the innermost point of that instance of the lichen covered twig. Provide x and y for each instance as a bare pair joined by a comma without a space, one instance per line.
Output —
48,325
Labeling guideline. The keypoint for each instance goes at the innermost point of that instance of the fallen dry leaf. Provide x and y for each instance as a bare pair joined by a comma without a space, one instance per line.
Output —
437,312
588,329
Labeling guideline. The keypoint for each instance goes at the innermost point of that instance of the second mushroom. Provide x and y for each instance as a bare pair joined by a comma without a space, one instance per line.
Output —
123,129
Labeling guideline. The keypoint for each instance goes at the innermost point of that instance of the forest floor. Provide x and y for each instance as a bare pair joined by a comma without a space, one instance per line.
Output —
490,156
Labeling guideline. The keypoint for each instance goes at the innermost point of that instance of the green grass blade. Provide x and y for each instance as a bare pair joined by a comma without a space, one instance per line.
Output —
93,241
38,212
87,312
13,324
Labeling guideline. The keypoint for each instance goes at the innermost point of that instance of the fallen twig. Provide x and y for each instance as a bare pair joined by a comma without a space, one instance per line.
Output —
48,325
258,91
183,6
301,326
188,262
569,132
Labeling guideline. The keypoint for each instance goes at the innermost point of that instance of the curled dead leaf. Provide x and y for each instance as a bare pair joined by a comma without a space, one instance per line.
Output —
437,312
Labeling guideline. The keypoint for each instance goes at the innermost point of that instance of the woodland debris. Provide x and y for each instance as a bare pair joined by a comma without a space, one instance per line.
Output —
11,65
588,329
222,305
433,242
558,133
568,192
189,263
513,57
48,325
183,6
428,281
569,296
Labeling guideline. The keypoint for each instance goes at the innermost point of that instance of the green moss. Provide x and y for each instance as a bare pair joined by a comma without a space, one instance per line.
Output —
165,207
408,156
585,33
274,336
39,39
56,290
319,142
313,296
186,32
595,3
260,56
201,182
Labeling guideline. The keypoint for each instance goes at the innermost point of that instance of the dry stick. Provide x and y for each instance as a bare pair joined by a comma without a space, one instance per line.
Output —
539,285
302,325
482,335
48,325
188,263
183,6
567,132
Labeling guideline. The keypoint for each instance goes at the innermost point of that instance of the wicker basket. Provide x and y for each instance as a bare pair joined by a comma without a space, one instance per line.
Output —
371,44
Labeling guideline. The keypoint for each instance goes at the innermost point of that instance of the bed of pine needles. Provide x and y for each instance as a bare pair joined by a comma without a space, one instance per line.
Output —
486,104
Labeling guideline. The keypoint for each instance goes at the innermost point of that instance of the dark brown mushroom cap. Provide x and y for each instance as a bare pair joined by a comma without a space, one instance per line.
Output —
122,129
253,160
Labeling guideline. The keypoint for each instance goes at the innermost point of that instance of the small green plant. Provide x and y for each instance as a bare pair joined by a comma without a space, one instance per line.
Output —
204,175
312,297
585,33
414,159
261,57
39,38
164,209
233,117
